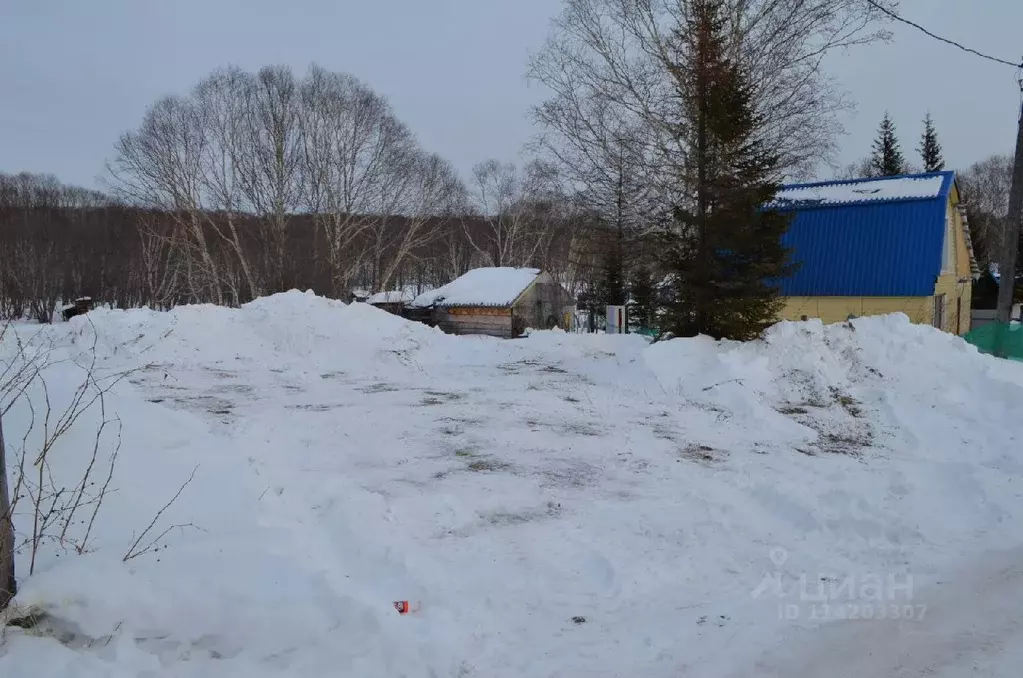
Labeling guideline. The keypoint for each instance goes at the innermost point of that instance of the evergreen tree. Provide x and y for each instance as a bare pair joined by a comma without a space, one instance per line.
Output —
985,292
609,289
642,309
725,248
930,149
887,160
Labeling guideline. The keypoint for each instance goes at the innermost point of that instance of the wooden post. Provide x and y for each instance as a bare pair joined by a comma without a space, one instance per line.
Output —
1007,262
8,584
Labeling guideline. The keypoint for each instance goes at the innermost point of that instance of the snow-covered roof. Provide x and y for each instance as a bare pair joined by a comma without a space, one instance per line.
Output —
881,189
497,286
391,297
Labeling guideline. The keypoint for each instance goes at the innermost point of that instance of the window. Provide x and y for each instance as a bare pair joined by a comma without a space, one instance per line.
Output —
948,248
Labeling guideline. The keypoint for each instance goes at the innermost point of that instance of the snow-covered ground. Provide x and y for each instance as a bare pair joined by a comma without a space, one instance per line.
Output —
561,505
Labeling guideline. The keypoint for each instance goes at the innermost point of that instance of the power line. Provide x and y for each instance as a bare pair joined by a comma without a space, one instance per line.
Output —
893,15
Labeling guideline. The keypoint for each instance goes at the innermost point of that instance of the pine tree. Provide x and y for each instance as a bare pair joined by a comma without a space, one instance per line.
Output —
725,249
643,299
930,149
887,160
985,292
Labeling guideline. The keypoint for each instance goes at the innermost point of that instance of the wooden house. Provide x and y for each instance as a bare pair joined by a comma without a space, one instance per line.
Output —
875,246
498,301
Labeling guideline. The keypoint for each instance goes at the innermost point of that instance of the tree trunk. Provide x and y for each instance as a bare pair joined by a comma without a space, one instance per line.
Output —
8,585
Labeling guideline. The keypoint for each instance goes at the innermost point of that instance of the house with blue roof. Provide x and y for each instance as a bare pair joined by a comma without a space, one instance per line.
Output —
875,246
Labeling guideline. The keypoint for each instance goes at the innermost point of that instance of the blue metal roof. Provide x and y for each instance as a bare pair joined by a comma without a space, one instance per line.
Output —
866,246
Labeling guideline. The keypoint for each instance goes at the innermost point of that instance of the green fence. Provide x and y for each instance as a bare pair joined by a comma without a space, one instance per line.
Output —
1003,340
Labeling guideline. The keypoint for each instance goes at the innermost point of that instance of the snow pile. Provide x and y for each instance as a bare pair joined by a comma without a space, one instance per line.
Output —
295,330
560,505
874,190
391,297
497,286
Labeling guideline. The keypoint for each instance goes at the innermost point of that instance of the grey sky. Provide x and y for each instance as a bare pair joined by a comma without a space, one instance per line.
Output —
76,73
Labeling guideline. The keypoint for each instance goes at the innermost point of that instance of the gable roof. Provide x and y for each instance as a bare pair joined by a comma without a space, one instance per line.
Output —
866,237
496,286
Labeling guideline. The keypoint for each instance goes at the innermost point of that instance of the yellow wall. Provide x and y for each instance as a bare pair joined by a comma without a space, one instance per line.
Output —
953,290
956,284
919,309
838,309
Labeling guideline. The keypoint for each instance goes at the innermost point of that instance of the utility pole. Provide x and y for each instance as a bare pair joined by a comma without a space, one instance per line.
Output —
1007,262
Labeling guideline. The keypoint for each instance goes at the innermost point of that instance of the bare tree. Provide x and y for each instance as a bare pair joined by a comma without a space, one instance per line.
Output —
212,161
985,187
454,255
508,231
249,184
861,169
59,514
426,194
348,136
225,160
272,159
608,64
40,232
160,166
160,260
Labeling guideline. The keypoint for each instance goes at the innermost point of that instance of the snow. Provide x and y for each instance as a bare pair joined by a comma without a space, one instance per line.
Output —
877,190
391,297
346,458
496,286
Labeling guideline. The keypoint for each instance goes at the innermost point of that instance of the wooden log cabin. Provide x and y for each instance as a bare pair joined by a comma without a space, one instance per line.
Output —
496,301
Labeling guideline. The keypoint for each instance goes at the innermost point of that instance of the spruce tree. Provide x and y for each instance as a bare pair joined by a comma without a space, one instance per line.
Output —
643,302
725,250
887,160
930,149
609,289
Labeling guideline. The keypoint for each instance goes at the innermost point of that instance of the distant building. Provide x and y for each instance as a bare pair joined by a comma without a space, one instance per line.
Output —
500,302
81,306
875,246
393,301
359,294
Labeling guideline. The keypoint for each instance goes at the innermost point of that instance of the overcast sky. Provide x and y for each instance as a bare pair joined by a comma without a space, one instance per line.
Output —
74,74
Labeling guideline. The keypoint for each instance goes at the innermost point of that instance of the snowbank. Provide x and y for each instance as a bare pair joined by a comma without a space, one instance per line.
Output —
558,505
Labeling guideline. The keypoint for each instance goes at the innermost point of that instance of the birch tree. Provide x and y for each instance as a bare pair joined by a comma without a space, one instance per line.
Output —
273,155
159,166
222,101
427,193
509,231
349,133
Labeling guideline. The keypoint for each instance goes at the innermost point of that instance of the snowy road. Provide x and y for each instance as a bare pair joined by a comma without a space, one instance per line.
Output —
973,626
